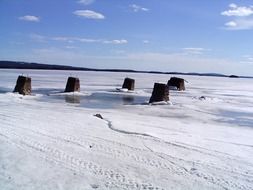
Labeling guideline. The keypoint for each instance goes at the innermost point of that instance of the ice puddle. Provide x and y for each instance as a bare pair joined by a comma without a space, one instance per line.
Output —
102,100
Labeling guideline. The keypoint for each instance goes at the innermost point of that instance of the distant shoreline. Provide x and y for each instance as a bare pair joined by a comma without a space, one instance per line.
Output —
39,66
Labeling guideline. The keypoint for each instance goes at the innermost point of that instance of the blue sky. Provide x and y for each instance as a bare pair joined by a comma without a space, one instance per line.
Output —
162,35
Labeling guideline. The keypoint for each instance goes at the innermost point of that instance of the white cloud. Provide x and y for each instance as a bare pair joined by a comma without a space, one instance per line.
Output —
123,41
60,38
238,11
137,8
118,52
88,40
89,14
70,47
40,38
233,5
231,24
242,17
63,39
247,59
29,18
195,50
74,39
240,24
145,41
86,2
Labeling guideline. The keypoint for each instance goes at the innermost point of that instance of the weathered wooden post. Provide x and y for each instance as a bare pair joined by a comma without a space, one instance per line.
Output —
73,85
128,84
23,85
160,93
176,82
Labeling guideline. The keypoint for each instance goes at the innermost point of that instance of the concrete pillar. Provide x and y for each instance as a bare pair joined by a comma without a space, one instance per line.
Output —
23,85
73,85
177,82
160,93
128,83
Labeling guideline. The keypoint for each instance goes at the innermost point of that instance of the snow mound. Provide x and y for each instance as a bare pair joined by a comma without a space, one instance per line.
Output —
161,103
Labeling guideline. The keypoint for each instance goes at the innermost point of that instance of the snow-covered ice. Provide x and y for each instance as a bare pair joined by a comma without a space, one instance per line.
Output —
201,139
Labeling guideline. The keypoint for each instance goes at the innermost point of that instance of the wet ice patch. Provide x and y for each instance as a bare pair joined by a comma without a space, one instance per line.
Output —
104,100
5,90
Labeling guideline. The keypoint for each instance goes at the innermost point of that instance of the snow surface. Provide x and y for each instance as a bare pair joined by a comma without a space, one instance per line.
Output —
202,139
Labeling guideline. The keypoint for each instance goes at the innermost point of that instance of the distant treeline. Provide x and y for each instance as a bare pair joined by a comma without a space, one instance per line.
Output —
39,66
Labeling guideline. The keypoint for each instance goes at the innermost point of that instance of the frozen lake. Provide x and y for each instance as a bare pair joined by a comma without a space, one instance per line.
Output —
52,140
